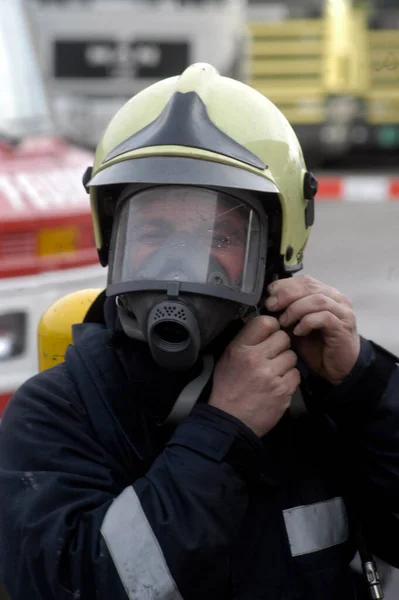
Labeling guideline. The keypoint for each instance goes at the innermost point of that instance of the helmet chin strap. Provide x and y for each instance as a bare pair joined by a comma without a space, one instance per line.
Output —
188,397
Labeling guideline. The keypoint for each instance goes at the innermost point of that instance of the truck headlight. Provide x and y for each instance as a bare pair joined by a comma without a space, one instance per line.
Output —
12,335
343,109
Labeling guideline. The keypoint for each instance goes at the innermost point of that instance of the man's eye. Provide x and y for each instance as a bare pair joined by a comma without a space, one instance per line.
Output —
155,236
226,240
221,241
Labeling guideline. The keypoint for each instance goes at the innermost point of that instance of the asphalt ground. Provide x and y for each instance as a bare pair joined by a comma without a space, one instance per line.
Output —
355,248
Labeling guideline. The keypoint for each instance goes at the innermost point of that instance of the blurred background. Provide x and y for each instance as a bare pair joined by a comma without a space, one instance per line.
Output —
331,66
66,66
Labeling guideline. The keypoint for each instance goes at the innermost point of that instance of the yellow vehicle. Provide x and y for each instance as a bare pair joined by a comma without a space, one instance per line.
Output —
382,95
334,73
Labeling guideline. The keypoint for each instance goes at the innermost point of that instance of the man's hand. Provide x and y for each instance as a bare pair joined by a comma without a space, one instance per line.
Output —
256,377
324,325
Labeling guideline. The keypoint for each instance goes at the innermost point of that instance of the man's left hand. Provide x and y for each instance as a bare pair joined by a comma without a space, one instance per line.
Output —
324,325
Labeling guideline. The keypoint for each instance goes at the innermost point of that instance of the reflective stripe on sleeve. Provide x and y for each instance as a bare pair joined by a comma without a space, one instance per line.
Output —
315,527
135,551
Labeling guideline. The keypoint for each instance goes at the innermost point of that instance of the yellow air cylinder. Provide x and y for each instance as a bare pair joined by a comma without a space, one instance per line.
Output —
55,327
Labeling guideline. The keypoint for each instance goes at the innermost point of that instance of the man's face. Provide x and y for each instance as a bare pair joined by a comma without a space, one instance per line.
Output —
185,220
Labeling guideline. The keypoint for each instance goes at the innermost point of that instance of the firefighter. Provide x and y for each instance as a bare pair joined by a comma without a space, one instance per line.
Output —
170,455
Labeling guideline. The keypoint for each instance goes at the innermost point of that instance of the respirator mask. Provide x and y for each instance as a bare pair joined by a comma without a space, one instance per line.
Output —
184,263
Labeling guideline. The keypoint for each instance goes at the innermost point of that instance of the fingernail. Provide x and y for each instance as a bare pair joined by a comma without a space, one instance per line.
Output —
271,302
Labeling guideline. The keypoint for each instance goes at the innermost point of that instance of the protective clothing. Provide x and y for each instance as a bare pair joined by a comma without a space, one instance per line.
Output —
102,502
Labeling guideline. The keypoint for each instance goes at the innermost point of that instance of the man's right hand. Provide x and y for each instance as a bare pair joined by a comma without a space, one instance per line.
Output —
255,378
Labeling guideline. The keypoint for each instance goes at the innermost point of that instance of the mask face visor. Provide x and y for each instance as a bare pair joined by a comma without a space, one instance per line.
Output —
205,239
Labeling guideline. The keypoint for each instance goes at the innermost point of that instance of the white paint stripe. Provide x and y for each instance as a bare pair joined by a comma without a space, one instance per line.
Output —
315,527
366,189
11,193
359,188
30,185
46,190
135,551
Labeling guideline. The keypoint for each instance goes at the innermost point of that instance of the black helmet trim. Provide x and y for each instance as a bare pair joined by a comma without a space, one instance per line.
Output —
169,170
185,122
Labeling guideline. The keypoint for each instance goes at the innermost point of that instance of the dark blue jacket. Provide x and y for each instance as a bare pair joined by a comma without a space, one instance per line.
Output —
99,502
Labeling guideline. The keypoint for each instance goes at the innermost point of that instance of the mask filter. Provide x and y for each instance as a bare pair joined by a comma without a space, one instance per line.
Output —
176,330
173,334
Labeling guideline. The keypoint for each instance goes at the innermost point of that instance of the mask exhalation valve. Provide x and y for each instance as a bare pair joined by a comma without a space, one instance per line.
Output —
173,335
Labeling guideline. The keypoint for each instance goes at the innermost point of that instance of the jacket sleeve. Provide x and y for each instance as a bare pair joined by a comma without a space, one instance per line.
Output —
74,525
365,410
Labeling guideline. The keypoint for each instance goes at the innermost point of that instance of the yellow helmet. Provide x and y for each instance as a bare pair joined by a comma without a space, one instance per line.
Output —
203,129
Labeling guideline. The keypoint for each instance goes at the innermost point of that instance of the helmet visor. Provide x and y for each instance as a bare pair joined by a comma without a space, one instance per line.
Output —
187,234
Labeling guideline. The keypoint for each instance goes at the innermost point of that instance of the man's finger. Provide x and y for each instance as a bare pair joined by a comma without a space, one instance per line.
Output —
313,304
256,331
274,345
289,383
284,362
284,292
318,321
